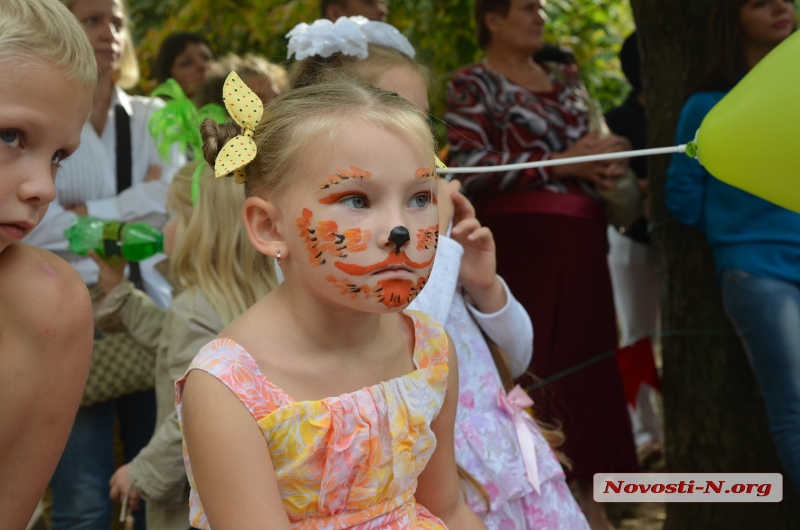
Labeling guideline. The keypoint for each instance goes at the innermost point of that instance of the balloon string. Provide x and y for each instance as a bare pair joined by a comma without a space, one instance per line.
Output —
562,161
611,353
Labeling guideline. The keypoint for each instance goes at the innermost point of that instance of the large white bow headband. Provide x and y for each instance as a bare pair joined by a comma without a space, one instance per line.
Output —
348,35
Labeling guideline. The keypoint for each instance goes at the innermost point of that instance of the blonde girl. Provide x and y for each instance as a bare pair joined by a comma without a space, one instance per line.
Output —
45,313
327,404
217,275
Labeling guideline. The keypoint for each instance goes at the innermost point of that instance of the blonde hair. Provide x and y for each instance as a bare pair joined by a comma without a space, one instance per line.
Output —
210,91
212,252
45,30
316,69
292,121
128,74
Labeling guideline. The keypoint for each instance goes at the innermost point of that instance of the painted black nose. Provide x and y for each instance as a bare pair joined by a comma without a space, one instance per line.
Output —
399,236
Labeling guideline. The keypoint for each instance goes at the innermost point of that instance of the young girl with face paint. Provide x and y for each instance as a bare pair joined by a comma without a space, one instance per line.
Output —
521,485
328,404
217,276
45,311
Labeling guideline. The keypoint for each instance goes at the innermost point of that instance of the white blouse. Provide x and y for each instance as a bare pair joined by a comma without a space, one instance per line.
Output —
89,177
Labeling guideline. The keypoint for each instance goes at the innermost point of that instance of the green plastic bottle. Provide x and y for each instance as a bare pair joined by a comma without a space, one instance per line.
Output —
132,241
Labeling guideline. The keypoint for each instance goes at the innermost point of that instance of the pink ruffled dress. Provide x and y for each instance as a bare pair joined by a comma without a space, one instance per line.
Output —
495,440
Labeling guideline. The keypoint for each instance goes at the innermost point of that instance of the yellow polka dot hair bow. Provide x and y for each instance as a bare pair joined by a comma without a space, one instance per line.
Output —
246,109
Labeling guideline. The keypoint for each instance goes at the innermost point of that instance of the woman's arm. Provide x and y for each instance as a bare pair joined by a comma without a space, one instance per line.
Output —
685,188
230,461
439,488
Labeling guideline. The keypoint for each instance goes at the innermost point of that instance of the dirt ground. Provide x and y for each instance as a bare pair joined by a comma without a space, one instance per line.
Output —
637,516
643,515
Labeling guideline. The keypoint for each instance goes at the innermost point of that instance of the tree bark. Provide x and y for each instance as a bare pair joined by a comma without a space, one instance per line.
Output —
715,419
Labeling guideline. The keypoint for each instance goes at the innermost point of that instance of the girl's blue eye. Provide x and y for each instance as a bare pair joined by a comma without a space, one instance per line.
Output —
10,137
356,202
420,201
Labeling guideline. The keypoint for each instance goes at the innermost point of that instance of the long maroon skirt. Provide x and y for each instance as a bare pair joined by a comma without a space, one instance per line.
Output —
554,261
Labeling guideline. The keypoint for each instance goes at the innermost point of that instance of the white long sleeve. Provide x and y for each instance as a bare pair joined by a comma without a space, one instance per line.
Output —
510,328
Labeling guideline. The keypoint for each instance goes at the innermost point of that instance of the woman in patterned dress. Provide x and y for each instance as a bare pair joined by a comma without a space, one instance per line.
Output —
549,227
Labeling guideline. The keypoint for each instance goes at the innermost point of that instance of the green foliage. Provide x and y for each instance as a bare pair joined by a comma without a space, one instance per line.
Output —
594,30
442,31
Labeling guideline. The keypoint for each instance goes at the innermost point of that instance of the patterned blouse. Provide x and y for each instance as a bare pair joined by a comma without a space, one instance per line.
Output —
492,121
350,461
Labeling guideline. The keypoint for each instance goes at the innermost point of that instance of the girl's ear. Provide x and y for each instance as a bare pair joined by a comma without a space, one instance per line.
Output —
263,222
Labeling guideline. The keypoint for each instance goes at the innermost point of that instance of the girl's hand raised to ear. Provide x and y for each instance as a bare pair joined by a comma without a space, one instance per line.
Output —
112,271
478,272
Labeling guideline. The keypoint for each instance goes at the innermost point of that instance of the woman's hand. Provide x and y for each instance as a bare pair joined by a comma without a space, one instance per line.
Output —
153,173
601,173
112,271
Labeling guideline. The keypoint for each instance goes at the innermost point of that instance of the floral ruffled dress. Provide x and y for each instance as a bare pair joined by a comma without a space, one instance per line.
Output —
350,461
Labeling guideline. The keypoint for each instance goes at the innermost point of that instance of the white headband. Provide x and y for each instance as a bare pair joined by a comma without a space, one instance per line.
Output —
348,35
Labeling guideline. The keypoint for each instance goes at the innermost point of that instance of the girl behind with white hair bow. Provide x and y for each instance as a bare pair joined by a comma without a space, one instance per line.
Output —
511,477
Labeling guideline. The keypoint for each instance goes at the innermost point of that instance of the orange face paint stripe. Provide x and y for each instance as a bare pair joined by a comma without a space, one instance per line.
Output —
340,175
336,197
392,259
425,172
323,240
428,237
391,293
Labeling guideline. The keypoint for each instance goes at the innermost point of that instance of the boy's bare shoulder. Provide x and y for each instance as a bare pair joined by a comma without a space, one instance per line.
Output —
37,288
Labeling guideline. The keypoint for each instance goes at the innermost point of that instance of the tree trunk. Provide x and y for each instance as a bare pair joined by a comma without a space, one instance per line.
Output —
715,419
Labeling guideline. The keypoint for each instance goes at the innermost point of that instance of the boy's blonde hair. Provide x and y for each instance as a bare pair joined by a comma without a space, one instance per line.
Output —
128,74
316,69
305,116
212,251
47,31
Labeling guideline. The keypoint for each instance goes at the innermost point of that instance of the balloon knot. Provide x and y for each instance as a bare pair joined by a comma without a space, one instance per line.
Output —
691,149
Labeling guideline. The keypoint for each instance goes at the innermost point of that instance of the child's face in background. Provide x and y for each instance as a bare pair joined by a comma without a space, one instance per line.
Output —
365,216
41,115
408,83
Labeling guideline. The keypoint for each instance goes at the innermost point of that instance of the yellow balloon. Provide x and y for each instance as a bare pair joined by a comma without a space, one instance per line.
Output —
751,138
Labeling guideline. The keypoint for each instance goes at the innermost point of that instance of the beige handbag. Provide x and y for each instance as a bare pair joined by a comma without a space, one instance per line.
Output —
120,366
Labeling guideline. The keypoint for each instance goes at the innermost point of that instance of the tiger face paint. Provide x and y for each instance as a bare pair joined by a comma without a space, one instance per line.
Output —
375,182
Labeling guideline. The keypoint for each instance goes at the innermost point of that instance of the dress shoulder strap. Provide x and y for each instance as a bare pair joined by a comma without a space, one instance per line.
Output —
232,365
